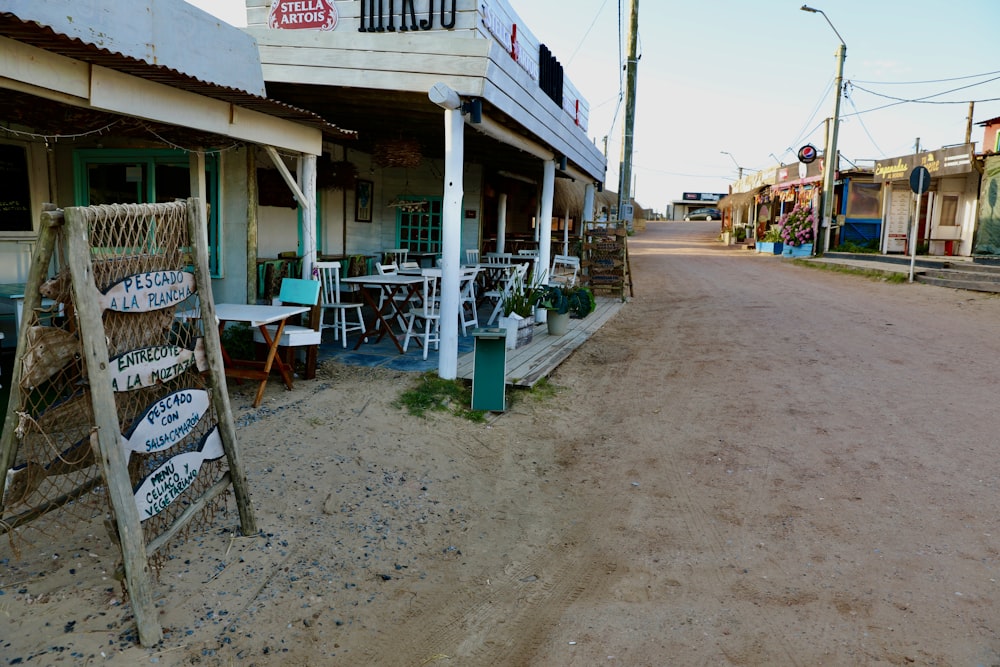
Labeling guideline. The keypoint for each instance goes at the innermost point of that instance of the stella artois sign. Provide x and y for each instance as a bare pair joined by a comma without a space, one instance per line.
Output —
303,15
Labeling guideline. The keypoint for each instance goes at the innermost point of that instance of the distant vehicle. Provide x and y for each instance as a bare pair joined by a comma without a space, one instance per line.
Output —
704,214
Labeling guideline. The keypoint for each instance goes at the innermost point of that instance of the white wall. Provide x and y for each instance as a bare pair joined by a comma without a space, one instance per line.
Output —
278,231
372,237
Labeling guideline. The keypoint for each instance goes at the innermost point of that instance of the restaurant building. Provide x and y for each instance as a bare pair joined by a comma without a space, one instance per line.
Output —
947,221
151,102
384,70
749,204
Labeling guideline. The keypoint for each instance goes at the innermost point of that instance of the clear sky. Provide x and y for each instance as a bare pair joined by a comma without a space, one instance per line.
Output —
755,78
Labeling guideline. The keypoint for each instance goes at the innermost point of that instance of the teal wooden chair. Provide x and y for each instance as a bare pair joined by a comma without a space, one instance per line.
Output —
298,292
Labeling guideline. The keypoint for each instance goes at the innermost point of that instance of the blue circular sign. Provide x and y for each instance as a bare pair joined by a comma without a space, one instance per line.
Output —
920,180
808,153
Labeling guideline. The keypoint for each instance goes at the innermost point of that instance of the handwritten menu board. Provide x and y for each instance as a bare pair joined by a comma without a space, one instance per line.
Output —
898,221
15,195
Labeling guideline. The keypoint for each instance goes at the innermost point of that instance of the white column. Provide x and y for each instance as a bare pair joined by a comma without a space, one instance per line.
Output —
196,167
307,184
199,182
451,241
566,232
545,223
538,217
502,223
588,208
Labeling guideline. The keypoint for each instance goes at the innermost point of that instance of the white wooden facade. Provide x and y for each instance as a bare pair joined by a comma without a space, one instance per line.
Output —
473,58
377,82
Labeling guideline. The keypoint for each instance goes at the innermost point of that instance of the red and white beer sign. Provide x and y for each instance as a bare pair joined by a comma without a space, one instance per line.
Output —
303,15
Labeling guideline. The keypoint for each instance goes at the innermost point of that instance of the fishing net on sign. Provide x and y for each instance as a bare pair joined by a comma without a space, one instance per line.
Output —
155,361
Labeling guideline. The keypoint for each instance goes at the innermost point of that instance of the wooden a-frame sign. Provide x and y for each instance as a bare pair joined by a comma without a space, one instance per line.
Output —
163,424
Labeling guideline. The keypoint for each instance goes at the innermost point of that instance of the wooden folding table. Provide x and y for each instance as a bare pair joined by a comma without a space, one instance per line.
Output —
390,285
256,316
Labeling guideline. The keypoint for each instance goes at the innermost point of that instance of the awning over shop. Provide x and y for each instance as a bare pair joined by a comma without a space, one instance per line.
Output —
799,182
739,199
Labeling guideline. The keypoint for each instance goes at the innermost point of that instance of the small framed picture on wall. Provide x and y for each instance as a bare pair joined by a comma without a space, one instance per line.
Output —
363,195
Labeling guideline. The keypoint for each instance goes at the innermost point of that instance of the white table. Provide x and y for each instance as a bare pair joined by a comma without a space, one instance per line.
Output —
391,285
254,316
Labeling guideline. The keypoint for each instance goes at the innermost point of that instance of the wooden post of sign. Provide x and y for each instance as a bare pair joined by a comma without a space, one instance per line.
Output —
198,235
108,433
51,219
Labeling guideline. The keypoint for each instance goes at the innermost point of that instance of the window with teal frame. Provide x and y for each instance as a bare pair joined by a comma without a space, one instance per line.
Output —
420,231
127,176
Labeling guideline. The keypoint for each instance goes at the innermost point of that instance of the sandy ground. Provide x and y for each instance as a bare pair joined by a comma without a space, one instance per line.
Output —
754,463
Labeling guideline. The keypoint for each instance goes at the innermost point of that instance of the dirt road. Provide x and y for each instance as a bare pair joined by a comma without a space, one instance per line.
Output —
755,463
792,467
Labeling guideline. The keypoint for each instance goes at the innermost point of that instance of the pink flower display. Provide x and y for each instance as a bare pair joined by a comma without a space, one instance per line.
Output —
797,226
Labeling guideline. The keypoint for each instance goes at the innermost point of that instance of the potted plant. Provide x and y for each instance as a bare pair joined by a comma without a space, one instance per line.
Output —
563,302
518,314
770,243
797,231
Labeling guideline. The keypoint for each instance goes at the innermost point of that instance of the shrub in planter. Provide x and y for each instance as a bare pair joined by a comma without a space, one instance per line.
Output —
237,338
577,301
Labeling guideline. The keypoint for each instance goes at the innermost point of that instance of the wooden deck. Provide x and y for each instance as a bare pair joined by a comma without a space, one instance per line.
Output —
536,360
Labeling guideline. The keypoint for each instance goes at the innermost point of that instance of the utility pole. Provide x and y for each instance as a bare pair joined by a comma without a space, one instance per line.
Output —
831,159
968,124
631,68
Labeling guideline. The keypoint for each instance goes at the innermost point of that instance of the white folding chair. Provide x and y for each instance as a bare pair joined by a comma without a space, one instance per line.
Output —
332,300
515,276
499,257
527,253
428,312
386,269
399,255
564,270
467,314
472,255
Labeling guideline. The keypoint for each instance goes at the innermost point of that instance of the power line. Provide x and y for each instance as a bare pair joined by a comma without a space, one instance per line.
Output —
864,127
583,39
812,116
915,83
896,104
925,98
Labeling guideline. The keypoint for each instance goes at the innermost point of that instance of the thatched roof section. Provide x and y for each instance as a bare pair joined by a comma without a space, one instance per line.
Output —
567,194
738,199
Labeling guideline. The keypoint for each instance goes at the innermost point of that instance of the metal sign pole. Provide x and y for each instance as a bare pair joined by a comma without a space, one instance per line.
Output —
913,228
920,181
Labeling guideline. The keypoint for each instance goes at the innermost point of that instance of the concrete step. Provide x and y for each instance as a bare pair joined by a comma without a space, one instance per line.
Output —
966,282
963,273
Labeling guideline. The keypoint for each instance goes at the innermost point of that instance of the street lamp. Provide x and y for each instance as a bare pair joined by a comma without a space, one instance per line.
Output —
738,167
830,166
